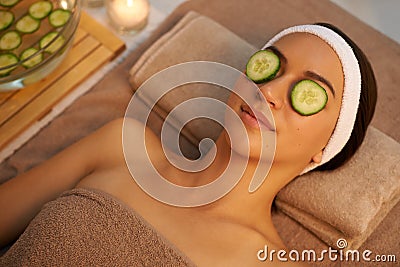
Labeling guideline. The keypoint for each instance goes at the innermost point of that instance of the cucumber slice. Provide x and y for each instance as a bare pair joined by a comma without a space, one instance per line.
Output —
10,40
40,10
308,97
27,24
6,19
7,59
8,3
59,17
262,66
32,61
55,45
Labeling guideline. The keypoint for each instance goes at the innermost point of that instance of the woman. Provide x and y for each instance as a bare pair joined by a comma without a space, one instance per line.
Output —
104,220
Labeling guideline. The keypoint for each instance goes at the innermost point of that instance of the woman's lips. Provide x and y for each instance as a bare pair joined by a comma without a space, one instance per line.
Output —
255,119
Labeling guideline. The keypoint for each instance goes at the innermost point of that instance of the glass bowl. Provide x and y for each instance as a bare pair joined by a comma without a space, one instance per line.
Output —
60,43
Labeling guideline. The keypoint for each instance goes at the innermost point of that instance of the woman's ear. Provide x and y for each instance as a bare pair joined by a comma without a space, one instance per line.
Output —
317,157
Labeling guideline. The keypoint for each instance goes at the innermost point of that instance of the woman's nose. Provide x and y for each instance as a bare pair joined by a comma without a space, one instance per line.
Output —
273,93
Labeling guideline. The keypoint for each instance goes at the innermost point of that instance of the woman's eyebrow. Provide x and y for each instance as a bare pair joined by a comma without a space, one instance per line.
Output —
276,51
310,74
318,77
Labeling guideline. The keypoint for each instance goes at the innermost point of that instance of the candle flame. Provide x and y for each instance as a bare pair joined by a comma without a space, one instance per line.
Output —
64,4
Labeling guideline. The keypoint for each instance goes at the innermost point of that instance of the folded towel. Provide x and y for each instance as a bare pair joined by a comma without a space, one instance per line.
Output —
351,201
345,203
189,40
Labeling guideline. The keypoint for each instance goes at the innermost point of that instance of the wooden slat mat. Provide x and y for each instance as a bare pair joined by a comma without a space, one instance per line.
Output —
94,45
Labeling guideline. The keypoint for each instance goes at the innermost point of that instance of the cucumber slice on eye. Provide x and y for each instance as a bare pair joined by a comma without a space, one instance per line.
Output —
32,61
8,3
59,17
308,97
10,40
27,24
6,19
262,66
53,46
7,59
40,10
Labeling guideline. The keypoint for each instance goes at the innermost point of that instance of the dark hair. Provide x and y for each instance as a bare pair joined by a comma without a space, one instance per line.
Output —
366,106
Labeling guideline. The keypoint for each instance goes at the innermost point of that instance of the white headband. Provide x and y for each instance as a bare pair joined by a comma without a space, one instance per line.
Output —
351,90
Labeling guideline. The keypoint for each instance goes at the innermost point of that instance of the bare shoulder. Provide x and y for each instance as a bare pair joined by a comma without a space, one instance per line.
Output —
109,141
114,144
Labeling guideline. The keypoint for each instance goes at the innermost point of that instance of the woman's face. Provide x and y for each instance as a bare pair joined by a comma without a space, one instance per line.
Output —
299,139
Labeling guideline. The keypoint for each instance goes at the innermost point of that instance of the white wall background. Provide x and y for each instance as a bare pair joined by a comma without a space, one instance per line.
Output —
383,15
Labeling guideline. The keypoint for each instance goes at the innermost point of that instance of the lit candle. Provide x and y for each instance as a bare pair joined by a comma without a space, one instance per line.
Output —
128,15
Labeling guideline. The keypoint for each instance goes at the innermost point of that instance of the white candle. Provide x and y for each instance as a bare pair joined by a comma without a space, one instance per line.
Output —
128,14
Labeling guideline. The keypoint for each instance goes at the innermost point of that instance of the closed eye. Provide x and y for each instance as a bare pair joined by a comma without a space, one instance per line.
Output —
318,77
282,59
278,53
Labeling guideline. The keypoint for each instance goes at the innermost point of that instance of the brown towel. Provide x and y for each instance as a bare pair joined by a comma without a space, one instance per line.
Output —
351,201
193,38
90,228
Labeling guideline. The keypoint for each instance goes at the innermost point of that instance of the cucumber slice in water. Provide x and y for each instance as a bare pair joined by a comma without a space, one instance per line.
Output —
262,66
308,97
59,17
10,40
32,61
6,19
8,3
7,59
27,24
55,45
40,10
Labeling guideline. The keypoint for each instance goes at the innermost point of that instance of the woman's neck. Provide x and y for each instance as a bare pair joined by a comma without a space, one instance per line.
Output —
239,205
